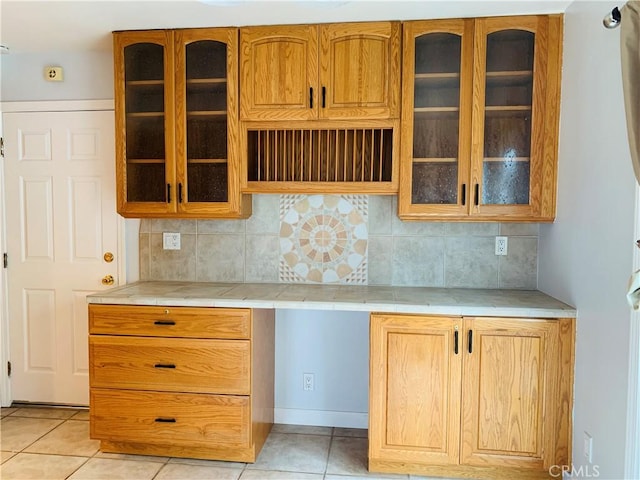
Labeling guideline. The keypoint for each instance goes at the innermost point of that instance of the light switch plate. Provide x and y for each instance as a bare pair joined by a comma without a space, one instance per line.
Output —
171,241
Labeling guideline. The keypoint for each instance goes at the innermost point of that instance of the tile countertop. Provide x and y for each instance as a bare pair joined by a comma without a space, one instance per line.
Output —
420,300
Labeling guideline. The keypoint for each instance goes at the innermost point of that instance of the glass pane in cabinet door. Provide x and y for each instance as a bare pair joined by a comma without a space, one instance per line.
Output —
206,99
144,105
436,119
507,128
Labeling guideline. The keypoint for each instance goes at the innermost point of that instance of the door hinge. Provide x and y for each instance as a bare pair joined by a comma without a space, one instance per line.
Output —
1,147
9,369
5,260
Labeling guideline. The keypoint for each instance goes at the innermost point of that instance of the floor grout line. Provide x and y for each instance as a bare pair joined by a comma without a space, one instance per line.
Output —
167,460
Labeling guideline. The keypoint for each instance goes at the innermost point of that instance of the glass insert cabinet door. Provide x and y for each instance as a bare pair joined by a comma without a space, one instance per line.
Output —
206,91
144,117
509,124
479,118
436,123
207,148
178,141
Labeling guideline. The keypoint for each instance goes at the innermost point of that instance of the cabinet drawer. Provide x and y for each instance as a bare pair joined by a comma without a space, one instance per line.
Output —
174,364
170,321
184,419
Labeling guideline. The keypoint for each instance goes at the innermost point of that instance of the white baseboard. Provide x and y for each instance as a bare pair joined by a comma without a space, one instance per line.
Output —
321,418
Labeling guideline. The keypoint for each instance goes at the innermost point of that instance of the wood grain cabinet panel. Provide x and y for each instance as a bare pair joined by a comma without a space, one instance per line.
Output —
278,71
328,71
360,70
181,381
510,383
473,397
172,364
167,321
179,419
480,119
414,389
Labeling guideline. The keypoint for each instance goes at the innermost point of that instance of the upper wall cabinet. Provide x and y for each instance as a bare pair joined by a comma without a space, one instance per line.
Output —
480,114
332,71
176,95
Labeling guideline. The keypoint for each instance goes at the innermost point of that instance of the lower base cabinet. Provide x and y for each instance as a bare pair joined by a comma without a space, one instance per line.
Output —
470,397
181,381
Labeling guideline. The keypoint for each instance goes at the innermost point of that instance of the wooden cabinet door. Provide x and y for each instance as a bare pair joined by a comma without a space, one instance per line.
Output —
360,70
279,72
415,371
207,130
436,119
144,106
510,376
514,135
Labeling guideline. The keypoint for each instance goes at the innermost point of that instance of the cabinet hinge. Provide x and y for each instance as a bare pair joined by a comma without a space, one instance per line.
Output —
5,260
9,369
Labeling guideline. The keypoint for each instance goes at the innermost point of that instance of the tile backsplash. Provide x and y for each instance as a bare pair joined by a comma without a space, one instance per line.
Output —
348,239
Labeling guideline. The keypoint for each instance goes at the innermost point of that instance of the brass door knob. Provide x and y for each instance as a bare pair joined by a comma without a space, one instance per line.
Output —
108,280
108,257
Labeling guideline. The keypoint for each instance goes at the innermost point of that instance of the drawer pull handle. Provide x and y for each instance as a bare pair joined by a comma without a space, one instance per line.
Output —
165,420
164,322
164,365
455,342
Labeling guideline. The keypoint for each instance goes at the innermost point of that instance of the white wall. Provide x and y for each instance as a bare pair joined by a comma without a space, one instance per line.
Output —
87,76
334,346
585,257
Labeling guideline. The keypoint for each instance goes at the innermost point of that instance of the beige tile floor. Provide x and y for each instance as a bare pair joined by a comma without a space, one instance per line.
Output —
39,443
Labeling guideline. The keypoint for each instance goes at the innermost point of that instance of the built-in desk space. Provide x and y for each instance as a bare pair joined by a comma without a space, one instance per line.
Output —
416,300
462,382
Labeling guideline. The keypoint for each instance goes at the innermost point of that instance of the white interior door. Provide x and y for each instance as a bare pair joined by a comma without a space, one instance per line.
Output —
61,221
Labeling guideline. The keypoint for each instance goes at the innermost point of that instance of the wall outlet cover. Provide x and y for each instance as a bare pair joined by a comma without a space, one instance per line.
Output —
53,74
502,245
171,241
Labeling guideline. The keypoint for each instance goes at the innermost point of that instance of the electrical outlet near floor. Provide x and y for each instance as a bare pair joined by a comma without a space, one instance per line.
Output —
308,382
171,241
587,448
501,245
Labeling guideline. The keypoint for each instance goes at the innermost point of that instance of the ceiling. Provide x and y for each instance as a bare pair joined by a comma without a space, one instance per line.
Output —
56,26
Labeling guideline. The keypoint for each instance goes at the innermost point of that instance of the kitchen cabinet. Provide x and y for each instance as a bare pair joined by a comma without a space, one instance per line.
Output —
330,71
181,381
320,108
476,397
177,132
480,112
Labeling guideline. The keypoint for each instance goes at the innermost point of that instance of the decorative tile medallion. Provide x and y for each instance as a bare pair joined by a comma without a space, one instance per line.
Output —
323,239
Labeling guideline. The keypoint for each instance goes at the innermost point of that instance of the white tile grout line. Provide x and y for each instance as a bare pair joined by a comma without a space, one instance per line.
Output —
162,463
